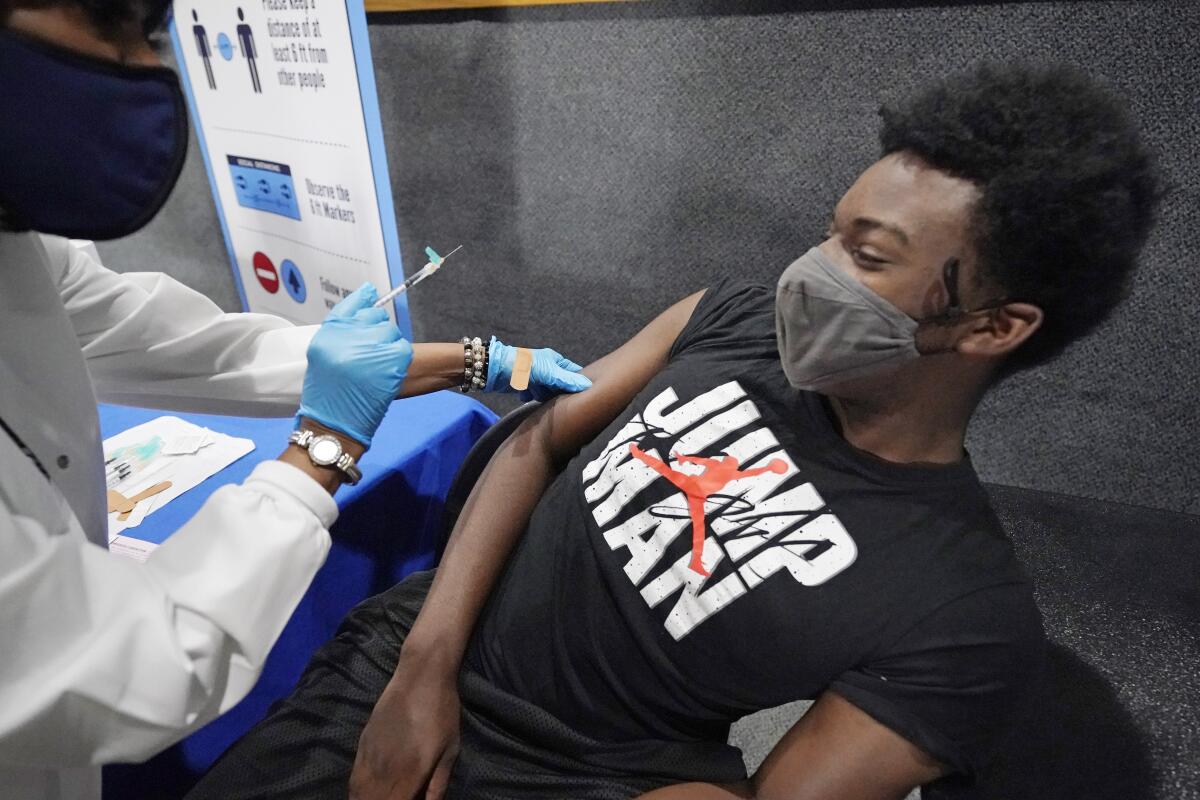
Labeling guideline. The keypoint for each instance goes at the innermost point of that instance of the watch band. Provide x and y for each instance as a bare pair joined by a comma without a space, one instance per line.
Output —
343,461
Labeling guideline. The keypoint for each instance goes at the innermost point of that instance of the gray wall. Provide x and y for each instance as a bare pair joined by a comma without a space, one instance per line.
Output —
601,161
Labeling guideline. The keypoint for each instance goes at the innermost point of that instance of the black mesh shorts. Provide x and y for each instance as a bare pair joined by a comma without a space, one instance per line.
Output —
305,746
304,749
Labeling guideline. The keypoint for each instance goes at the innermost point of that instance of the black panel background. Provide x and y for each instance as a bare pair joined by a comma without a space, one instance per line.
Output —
601,161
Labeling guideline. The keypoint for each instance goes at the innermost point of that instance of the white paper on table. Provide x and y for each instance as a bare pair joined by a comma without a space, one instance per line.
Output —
187,444
137,515
145,508
184,471
131,548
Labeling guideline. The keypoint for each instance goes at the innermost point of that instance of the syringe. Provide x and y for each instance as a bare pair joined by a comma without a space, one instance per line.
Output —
432,266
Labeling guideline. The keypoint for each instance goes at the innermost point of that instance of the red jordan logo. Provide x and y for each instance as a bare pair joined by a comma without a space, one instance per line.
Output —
718,473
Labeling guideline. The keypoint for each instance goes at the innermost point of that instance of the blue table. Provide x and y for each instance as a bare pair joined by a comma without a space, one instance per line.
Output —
387,528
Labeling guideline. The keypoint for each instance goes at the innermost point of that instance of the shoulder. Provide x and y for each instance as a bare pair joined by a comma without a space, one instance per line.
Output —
730,310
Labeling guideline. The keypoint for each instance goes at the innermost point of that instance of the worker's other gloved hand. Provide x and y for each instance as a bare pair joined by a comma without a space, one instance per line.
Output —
356,363
552,372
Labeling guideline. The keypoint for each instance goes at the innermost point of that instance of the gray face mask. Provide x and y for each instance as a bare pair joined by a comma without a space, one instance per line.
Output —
831,328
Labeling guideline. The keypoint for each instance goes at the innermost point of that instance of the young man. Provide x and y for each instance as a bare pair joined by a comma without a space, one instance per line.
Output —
764,497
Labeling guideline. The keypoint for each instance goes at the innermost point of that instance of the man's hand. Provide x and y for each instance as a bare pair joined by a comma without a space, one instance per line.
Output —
409,745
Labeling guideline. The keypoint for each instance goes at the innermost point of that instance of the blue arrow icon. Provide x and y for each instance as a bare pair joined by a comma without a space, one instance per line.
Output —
293,281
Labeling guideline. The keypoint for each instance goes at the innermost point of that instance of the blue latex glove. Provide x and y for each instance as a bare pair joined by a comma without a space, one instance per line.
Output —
552,373
356,363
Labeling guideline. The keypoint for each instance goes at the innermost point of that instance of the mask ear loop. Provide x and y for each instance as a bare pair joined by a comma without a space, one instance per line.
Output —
950,278
953,310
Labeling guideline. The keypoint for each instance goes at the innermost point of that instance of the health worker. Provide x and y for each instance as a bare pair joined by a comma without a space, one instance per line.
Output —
103,659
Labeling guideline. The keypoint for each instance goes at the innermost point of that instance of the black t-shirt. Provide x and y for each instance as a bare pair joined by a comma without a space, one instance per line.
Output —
893,585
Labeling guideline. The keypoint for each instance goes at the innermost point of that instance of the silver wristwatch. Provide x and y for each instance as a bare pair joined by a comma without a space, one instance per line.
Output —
326,451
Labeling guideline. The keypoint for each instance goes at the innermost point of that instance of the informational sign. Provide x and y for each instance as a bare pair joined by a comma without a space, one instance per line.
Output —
282,94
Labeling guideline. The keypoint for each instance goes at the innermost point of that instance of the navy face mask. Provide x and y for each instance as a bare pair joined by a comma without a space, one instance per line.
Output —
89,149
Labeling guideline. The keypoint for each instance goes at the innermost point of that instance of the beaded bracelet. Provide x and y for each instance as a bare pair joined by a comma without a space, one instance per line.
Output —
475,364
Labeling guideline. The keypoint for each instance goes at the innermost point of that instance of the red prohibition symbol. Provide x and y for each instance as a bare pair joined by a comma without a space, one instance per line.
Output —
265,271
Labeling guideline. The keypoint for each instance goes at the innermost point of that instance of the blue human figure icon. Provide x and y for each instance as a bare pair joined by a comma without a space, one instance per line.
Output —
246,46
203,48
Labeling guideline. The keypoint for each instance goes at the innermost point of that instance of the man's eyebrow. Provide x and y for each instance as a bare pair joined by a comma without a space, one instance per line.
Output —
869,223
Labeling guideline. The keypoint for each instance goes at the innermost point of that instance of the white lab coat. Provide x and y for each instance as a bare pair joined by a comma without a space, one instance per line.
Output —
103,659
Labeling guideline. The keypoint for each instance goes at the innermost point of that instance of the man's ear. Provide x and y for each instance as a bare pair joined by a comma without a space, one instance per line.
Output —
1002,330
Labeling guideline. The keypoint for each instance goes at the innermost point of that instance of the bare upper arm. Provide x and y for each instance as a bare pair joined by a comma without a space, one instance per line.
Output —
568,422
838,752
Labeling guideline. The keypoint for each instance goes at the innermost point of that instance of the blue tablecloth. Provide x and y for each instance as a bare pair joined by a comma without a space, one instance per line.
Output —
387,528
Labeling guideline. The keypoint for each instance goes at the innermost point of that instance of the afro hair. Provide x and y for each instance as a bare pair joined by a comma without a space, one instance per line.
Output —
1068,191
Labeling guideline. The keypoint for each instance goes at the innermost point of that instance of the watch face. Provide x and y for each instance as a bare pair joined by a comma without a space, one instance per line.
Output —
324,450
